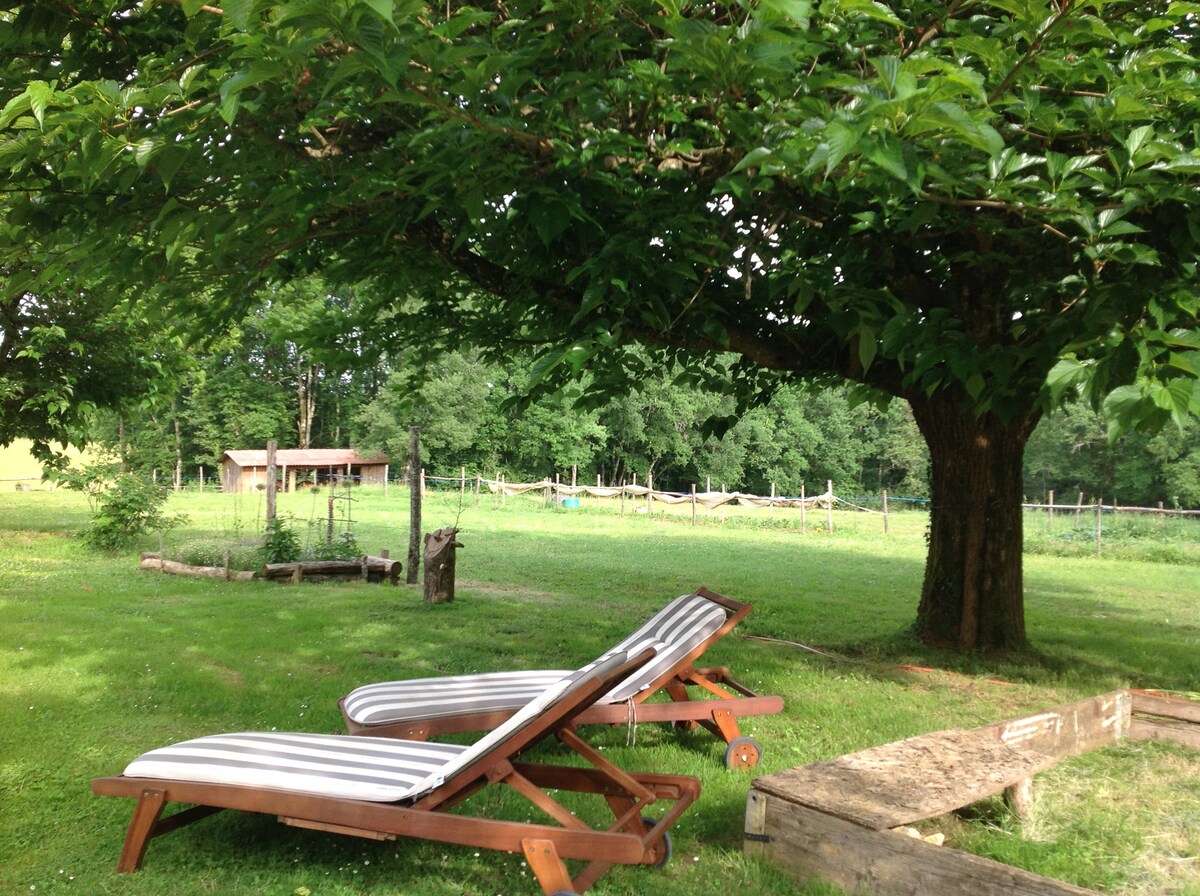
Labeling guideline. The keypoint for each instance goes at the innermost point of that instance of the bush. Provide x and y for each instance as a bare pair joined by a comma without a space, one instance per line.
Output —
345,547
280,544
124,506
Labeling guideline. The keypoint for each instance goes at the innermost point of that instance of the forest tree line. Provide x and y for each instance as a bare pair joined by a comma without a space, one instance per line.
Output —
257,383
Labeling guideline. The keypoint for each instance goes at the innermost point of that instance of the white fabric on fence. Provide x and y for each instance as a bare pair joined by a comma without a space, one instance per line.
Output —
709,500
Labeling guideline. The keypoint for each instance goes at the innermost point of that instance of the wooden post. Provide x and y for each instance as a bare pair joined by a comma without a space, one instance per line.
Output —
414,503
385,480
829,506
329,518
200,476
422,483
462,485
885,512
478,486
649,492
771,506
439,565
1050,511
1099,510
272,479
1078,508
803,511
622,499
693,503
574,474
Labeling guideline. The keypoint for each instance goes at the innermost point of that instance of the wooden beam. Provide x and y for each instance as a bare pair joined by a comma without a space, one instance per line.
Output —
811,844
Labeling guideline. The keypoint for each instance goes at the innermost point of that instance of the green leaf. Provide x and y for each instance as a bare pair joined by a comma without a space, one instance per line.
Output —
40,96
753,158
868,346
238,12
385,9
14,108
870,9
1137,139
799,11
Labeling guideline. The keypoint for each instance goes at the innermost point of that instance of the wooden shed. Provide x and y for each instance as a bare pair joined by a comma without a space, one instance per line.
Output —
245,471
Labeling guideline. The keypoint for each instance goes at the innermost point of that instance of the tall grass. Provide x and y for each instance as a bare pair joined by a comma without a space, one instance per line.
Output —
103,661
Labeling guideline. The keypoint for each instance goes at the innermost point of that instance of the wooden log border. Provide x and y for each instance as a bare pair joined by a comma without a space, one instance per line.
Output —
811,841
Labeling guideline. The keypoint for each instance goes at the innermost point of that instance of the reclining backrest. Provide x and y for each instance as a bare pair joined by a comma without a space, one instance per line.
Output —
680,627
544,713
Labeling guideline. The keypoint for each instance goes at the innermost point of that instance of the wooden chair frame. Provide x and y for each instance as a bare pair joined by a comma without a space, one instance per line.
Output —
715,702
629,839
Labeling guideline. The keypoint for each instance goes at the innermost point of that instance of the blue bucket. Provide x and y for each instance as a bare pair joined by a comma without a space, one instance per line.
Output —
570,502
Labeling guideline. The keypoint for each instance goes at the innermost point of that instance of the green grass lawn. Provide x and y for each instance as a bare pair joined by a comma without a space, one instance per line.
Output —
102,661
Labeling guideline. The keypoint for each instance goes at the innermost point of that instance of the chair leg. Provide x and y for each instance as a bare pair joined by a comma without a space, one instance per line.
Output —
546,866
141,828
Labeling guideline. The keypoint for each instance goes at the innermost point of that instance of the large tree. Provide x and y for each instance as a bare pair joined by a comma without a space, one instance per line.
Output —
980,207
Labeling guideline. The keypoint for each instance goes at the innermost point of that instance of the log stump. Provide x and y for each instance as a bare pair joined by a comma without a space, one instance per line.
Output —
439,565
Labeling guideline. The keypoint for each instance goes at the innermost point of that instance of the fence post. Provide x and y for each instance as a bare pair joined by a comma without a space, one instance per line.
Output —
1099,509
885,512
1078,508
1050,511
771,506
462,485
414,504
200,475
829,505
693,503
803,511
272,479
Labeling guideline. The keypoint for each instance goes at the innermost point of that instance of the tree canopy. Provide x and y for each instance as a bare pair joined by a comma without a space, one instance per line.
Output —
984,208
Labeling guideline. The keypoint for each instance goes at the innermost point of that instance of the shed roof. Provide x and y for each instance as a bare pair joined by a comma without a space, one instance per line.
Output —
306,457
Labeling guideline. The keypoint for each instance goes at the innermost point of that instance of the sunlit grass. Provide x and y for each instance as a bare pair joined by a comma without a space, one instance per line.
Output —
103,661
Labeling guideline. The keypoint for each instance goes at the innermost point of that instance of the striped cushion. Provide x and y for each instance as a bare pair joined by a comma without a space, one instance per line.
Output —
681,626
364,768
678,628
451,695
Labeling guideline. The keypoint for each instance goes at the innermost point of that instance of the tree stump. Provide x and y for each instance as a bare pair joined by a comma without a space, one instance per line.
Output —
439,565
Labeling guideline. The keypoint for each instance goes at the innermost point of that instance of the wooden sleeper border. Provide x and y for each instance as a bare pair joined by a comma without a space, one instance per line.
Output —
835,819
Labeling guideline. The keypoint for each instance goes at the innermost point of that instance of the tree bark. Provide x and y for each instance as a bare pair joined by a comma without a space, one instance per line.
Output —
439,565
973,594
414,503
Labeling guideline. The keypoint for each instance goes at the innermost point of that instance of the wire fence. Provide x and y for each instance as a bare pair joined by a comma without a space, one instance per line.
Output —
825,511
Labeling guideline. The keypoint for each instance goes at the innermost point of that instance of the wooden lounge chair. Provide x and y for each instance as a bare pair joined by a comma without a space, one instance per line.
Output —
424,707
381,788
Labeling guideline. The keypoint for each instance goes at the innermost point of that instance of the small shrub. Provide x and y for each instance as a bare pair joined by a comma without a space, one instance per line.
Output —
124,506
344,547
280,544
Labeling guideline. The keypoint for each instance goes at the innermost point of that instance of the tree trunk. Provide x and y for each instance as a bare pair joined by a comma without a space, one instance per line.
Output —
973,596
306,399
439,565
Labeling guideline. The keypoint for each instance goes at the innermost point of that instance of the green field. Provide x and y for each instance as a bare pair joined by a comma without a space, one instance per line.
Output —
102,661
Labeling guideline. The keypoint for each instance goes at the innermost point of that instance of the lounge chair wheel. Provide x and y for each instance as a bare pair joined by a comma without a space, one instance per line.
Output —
667,847
742,752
